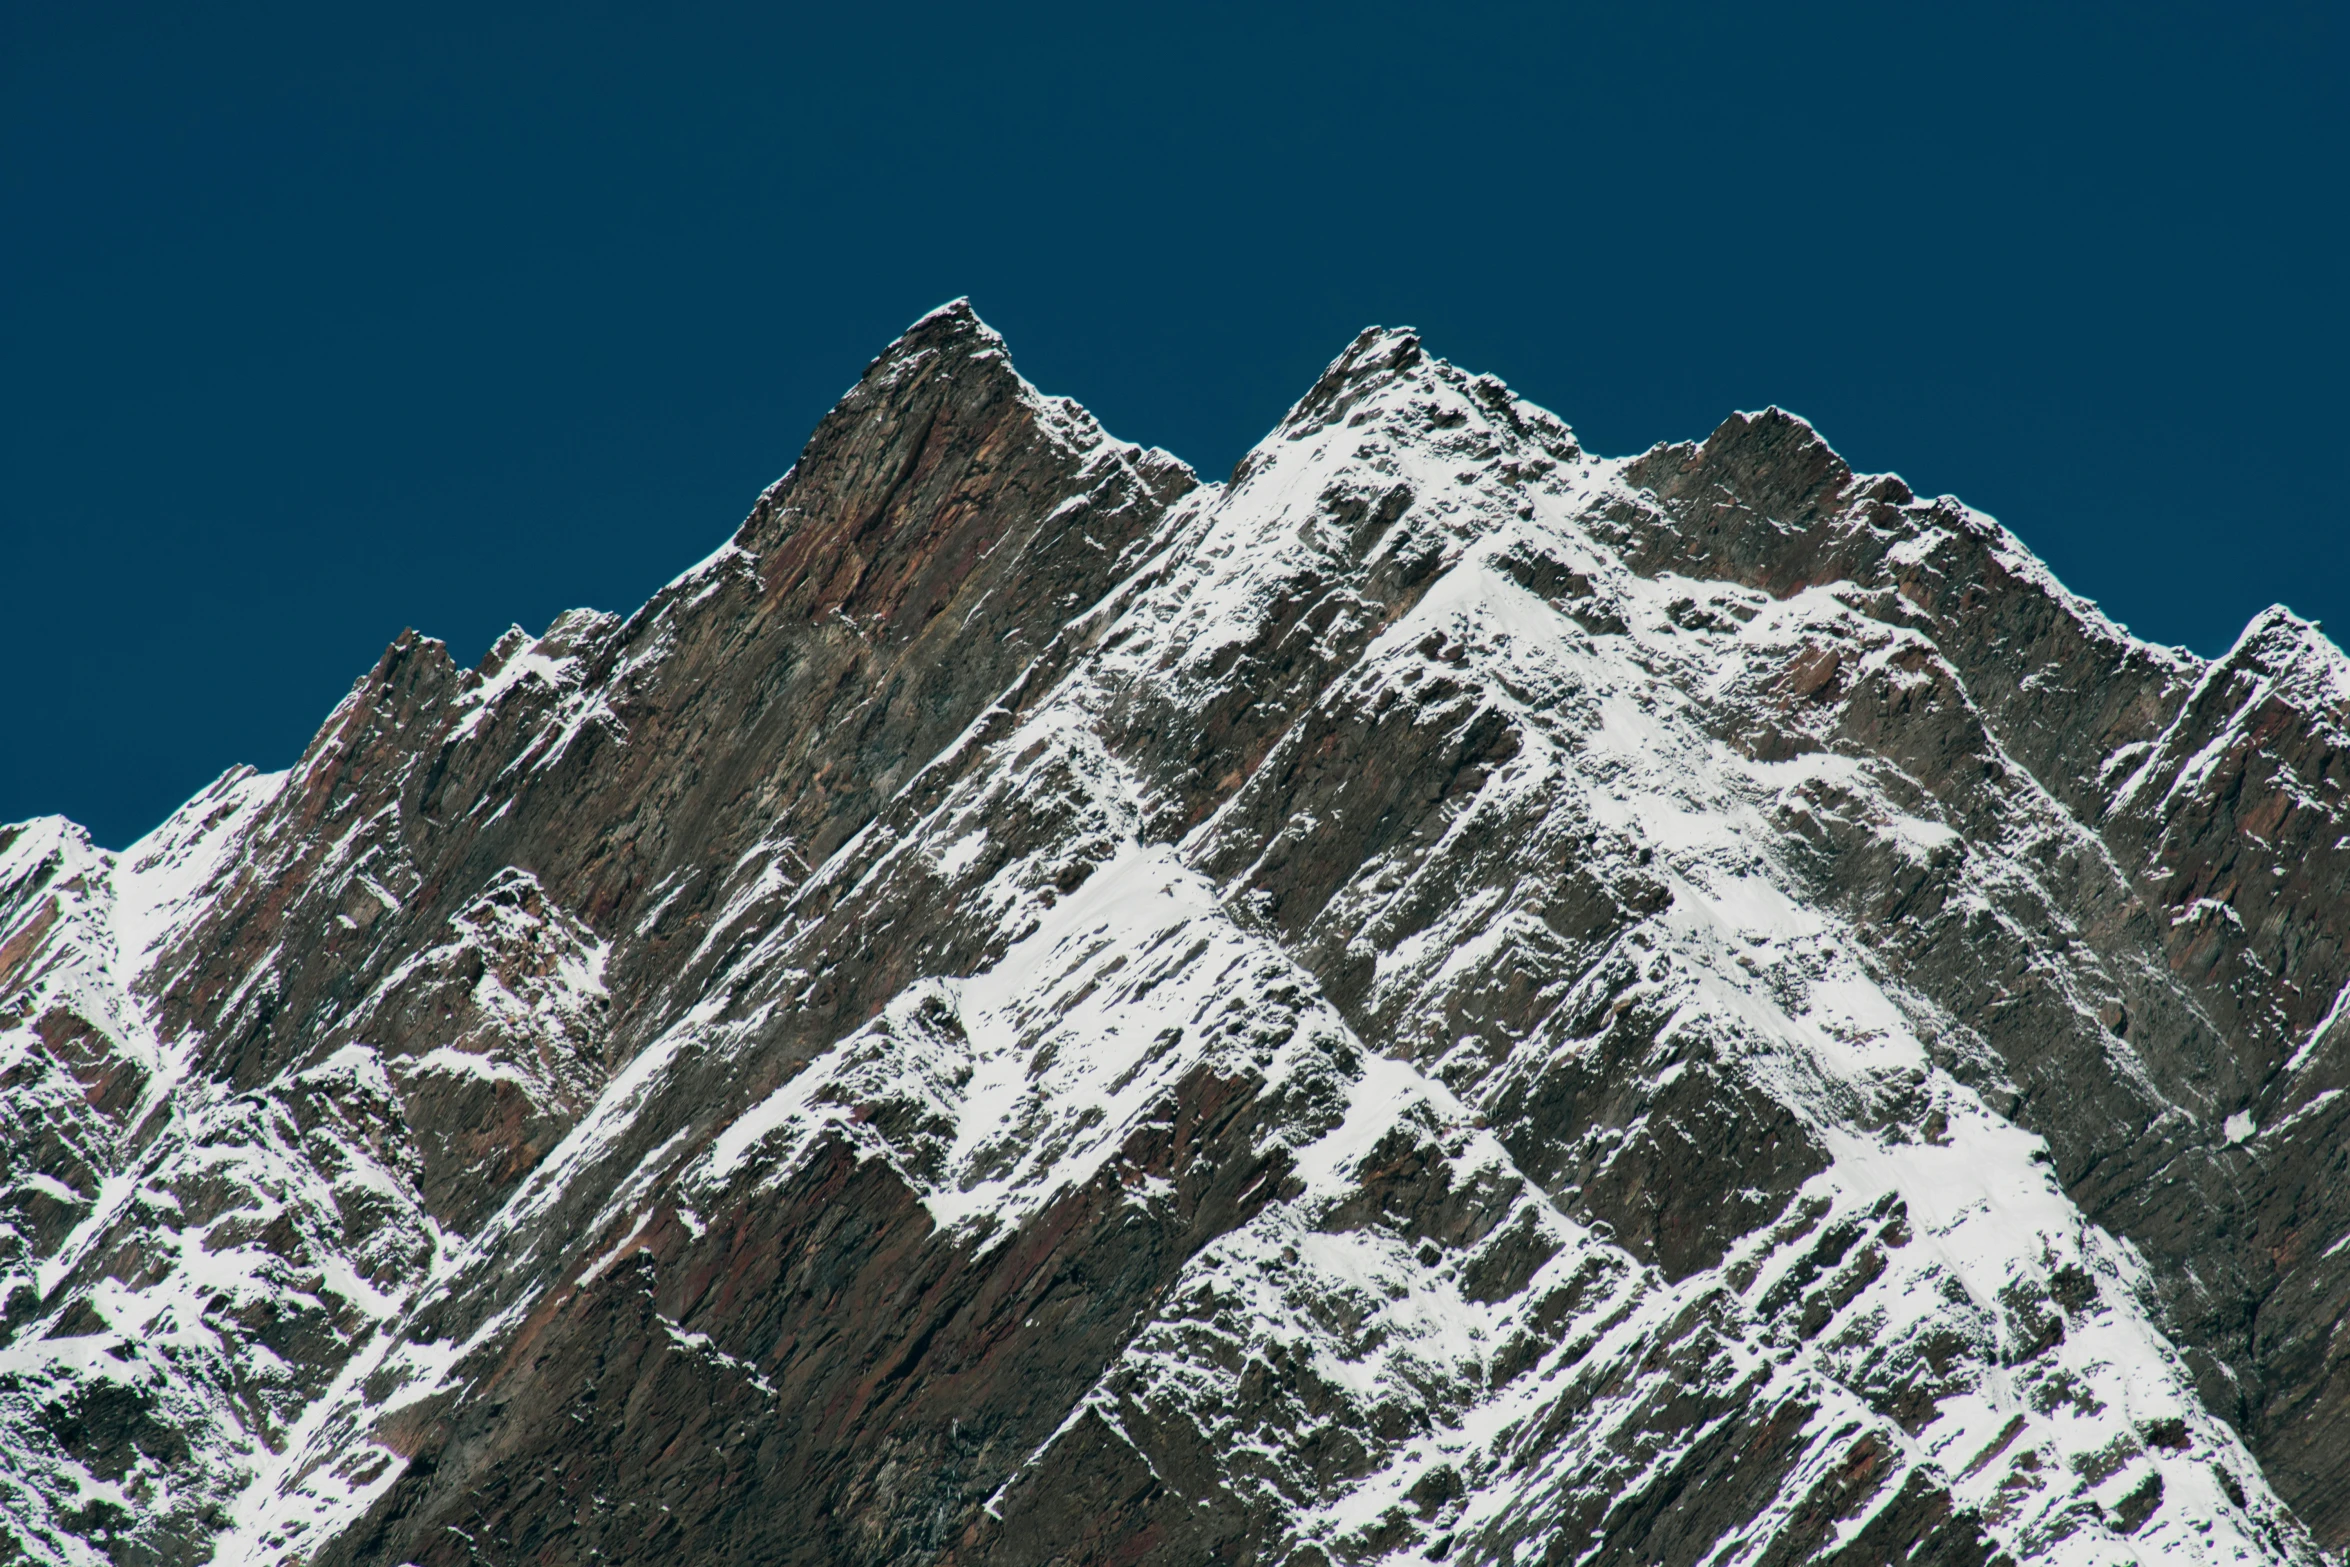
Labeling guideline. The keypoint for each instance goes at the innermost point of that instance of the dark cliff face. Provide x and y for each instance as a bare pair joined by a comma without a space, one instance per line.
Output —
1445,999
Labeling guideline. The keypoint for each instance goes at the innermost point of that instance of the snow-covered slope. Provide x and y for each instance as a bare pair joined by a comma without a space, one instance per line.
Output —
1447,998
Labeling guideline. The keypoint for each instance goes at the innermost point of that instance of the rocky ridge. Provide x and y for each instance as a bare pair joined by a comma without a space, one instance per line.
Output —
1444,998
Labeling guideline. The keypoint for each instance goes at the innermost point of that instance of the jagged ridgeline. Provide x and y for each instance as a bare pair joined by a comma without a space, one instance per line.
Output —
1445,999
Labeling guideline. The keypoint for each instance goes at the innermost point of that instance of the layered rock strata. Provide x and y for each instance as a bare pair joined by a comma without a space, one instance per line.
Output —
1445,998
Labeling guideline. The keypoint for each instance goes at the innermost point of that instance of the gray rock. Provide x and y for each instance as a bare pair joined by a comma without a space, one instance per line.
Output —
1445,999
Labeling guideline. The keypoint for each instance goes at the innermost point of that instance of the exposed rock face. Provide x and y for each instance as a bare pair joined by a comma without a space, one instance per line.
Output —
1444,999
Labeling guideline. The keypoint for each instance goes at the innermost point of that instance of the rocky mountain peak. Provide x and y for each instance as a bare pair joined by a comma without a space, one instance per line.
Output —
1448,998
2279,645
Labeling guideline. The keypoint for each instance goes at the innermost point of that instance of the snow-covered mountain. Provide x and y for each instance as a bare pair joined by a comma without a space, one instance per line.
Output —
1446,998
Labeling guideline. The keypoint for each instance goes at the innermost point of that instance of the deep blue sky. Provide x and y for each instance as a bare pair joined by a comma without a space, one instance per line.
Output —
323,321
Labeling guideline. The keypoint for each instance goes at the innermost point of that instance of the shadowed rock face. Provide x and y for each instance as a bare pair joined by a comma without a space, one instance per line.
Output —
1445,999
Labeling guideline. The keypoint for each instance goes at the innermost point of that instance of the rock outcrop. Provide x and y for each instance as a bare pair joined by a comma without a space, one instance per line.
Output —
1443,999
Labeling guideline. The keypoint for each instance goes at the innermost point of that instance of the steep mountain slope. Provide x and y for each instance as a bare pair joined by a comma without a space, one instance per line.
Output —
1446,998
